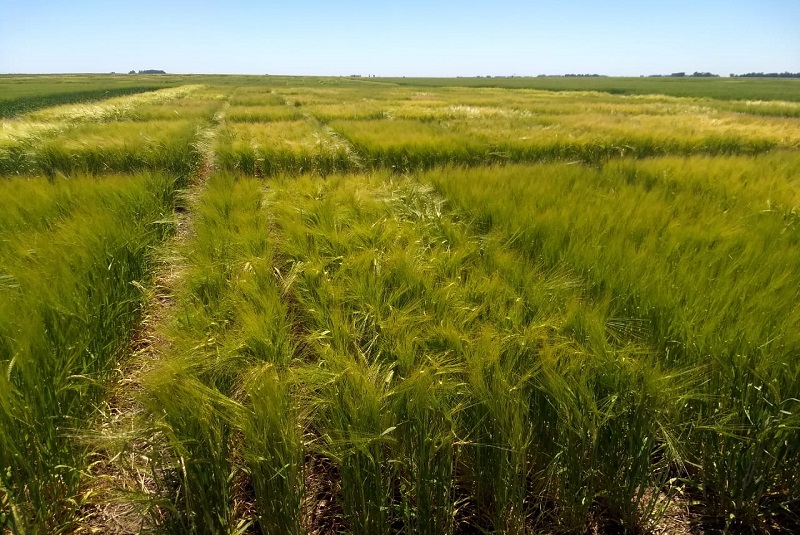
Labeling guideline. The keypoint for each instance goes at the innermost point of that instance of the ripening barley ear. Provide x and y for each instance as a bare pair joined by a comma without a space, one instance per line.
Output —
195,460
498,434
427,403
357,433
273,451
745,442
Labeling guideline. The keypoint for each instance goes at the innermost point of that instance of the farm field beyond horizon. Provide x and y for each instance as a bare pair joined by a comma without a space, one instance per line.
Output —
272,304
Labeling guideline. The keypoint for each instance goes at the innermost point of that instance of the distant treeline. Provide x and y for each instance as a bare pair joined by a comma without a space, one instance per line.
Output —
10,108
568,76
148,71
732,75
545,76
695,74
767,75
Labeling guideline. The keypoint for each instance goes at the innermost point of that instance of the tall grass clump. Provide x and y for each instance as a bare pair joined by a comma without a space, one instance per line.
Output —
405,145
74,256
293,147
167,146
259,114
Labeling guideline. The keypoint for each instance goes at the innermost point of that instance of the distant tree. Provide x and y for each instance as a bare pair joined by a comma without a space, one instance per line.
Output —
767,75
132,72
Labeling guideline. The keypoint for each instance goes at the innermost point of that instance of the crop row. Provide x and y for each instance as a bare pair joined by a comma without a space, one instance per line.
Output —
156,132
403,130
335,130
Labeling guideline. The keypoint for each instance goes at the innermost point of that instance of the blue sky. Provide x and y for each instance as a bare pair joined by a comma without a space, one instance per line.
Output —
412,38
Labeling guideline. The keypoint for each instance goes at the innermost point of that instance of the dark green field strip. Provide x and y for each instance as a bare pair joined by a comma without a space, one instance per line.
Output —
23,93
68,301
715,88
27,103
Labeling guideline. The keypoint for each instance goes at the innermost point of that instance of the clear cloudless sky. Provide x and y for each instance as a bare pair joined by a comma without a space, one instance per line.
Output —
410,38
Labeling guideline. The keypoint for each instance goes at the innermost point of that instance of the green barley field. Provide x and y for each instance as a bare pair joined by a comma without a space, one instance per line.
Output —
285,305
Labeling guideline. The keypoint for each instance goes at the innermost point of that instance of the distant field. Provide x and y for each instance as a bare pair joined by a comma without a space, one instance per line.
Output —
343,305
713,88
